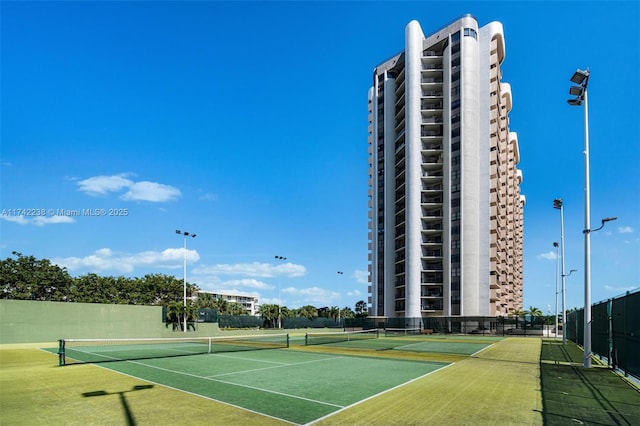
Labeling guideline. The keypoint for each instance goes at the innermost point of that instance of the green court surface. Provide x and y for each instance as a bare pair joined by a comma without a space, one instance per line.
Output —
294,386
443,345
513,381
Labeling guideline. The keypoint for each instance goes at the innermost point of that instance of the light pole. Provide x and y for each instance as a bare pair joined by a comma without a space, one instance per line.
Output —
185,234
339,273
581,79
564,311
279,301
555,244
559,205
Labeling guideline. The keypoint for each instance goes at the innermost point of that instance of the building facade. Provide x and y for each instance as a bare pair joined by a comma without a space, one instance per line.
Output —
445,209
249,303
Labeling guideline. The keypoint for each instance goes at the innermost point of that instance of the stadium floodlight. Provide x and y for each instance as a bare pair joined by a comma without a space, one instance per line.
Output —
279,301
581,78
576,90
184,274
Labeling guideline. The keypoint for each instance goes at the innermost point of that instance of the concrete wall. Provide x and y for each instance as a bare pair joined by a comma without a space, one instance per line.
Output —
24,321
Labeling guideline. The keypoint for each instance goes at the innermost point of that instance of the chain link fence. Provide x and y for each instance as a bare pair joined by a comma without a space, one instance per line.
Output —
502,326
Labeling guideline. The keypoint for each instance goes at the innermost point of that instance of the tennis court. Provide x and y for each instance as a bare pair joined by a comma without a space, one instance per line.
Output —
283,383
371,339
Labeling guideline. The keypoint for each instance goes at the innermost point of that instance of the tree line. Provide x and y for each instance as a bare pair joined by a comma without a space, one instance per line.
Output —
27,278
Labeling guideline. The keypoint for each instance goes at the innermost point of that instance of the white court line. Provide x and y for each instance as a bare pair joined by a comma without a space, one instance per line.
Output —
374,396
240,385
221,355
196,394
272,367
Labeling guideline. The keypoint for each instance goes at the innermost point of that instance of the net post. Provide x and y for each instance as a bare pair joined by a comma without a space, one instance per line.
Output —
287,340
61,359
306,339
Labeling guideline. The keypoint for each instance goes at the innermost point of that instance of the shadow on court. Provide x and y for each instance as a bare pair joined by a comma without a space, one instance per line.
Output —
123,400
572,394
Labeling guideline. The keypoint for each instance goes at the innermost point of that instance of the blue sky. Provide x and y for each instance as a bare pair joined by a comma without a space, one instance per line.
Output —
246,123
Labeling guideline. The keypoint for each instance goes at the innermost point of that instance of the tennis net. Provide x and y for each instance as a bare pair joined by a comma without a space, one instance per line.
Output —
74,351
391,332
339,336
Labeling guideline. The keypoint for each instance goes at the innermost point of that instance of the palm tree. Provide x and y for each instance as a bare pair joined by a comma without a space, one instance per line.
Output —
535,312
333,312
269,314
174,314
309,312
361,309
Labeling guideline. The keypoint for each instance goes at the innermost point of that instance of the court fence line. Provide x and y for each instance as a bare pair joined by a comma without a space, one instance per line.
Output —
615,331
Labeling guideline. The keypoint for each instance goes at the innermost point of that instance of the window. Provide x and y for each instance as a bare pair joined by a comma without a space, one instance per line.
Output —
470,32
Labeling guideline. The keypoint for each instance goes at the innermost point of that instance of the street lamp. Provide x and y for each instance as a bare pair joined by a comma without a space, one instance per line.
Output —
559,205
339,273
555,244
279,301
184,274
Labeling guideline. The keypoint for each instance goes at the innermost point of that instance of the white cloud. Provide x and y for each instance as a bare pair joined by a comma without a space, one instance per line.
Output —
38,220
552,255
106,260
151,191
361,277
208,197
136,191
248,283
47,220
101,185
315,296
15,219
625,230
255,269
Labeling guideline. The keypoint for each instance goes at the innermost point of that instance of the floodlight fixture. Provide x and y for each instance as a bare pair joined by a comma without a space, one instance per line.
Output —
576,90
580,77
557,203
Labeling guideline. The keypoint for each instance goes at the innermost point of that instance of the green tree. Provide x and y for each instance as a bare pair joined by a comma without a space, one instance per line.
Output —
235,308
347,312
361,309
269,314
176,312
221,305
308,312
28,278
534,312
206,300
333,312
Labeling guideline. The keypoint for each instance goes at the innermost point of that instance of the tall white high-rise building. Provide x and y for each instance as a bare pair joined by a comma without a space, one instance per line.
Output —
445,209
